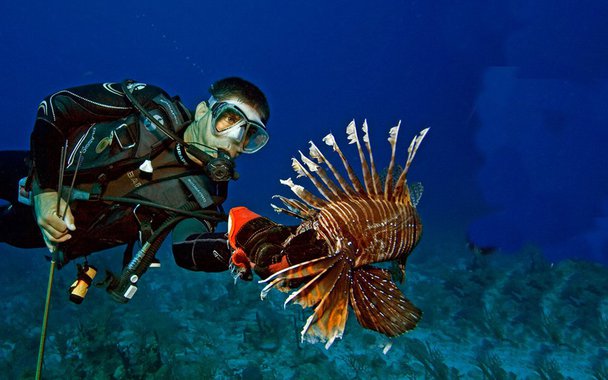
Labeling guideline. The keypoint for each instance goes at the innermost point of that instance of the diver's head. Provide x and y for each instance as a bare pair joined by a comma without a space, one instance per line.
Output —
243,90
233,119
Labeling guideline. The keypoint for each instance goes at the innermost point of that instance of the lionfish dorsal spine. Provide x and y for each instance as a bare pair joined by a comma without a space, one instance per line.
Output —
331,141
285,211
353,138
294,208
299,168
388,182
304,194
317,155
401,189
323,175
372,165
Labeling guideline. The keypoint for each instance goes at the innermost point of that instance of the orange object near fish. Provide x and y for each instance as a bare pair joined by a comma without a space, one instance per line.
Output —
238,217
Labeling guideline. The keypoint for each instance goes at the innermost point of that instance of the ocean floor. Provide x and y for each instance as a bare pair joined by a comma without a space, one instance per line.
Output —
485,317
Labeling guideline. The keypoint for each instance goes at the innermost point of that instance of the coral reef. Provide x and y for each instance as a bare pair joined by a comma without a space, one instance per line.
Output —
485,317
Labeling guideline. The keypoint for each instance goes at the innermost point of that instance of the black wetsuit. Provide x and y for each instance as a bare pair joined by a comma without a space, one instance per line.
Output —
196,247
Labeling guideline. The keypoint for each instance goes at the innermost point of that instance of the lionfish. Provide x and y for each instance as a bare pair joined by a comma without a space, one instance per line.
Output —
361,225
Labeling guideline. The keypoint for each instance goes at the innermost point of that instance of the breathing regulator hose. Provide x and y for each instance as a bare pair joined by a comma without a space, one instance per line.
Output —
220,168
123,288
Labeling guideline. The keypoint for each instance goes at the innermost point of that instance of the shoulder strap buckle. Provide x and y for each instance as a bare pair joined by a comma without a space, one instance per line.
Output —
123,136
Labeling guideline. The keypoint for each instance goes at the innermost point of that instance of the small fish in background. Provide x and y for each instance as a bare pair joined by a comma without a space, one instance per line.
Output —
361,224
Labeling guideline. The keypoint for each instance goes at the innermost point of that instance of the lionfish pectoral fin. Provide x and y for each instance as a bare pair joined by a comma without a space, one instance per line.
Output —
330,295
298,271
378,303
294,208
326,290
285,211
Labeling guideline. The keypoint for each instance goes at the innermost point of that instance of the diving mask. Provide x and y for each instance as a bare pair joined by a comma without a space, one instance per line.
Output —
239,122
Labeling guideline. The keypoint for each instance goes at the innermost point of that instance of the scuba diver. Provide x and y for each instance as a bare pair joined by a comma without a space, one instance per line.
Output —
124,164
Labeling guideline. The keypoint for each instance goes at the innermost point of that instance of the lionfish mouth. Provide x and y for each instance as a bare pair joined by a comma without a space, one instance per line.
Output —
361,223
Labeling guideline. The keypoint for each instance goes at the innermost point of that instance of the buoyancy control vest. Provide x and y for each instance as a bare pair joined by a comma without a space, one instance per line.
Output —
117,145
116,202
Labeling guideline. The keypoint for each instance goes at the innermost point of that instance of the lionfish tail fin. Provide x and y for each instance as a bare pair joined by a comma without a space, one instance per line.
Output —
326,290
400,189
378,303
351,133
388,182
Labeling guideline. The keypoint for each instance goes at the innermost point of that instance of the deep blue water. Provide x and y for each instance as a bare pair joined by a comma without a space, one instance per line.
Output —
515,94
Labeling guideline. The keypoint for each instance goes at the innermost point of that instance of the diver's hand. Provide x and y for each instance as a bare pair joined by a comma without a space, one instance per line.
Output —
54,228
258,239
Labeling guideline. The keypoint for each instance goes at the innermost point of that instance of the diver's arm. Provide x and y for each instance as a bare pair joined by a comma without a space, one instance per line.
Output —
58,115
66,110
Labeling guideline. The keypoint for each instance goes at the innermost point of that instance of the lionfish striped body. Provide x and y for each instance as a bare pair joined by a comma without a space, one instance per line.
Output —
361,224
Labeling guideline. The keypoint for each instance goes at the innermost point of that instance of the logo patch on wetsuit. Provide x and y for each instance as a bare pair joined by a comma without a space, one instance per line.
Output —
197,188
103,144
